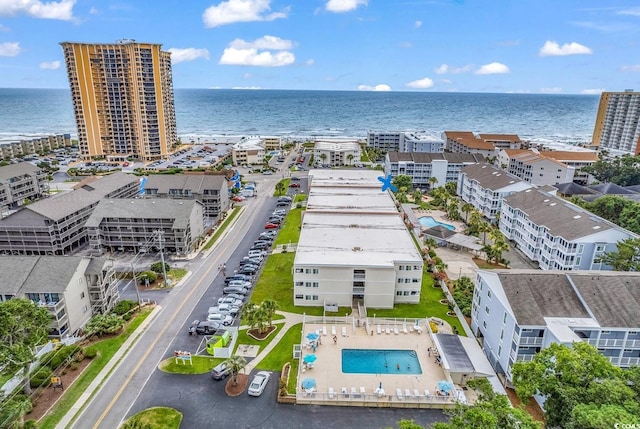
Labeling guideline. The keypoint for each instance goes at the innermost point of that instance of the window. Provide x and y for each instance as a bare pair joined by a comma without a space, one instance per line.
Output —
299,283
314,271
299,296
415,280
401,267
407,280
489,293
84,308
580,248
82,295
398,293
484,324
416,267
400,281
504,318
486,309
499,351
311,297
299,270
502,334
408,267
405,293
414,292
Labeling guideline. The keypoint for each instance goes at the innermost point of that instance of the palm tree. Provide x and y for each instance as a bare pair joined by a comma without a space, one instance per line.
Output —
482,228
280,188
466,209
430,243
350,158
269,306
323,157
235,364
432,181
417,196
452,210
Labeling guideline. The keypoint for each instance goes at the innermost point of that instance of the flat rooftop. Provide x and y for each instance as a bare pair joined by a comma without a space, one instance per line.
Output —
341,198
352,178
354,239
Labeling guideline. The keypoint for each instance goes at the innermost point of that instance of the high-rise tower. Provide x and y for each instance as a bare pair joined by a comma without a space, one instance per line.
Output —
617,124
122,98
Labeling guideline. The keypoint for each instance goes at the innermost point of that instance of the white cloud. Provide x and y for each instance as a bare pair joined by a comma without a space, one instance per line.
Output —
421,83
4,28
632,68
251,57
445,68
634,11
553,49
446,81
418,24
493,68
265,42
339,6
62,9
379,87
310,62
179,55
9,49
247,75
94,11
552,90
596,91
52,65
231,11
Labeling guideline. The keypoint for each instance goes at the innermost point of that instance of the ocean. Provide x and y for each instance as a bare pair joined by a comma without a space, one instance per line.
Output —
208,113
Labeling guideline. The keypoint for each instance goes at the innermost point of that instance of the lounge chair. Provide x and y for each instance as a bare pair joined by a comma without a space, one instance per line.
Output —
407,393
353,392
324,330
404,328
426,392
362,391
417,394
345,394
387,329
344,331
333,330
331,393
399,394
379,329
395,329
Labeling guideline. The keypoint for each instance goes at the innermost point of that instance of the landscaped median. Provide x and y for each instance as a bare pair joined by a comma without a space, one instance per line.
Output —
157,417
234,212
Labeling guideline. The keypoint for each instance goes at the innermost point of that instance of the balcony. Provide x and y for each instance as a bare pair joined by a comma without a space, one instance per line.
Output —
624,361
606,343
530,341
525,357
53,307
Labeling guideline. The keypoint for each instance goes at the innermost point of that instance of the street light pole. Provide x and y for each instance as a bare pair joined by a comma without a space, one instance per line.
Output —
135,283
164,269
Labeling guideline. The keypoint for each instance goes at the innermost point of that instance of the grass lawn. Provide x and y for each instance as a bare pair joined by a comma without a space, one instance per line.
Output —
106,349
244,338
283,351
429,306
286,188
299,197
219,231
276,283
292,383
290,231
176,274
157,417
201,365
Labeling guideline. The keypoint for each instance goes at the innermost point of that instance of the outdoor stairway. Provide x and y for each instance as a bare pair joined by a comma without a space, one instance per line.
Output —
357,314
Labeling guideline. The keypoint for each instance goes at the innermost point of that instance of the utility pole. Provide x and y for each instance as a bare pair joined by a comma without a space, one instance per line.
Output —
161,245
135,283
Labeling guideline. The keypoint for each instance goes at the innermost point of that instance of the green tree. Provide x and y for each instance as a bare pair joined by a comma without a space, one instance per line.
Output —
269,306
235,364
104,324
402,181
147,277
323,157
417,196
572,375
13,410
431,243
452,210
452,188
625,258
463,294
484,228
350,159
433,181
490,411
23,325
281,188
156,267
466,209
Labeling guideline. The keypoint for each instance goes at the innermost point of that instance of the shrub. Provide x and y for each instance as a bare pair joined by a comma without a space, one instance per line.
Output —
156,267
104,324
55,358
42,377
147,275
90,352
432,253
434,327
30,424
124,307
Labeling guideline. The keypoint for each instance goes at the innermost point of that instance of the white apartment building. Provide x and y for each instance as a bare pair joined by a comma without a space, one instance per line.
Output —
421,167
271,143
557,234
336,153
575,159
13,149
534,167
21,184
617,128
487,145
354,245
517,313
72,288
402,141
485,185
249,150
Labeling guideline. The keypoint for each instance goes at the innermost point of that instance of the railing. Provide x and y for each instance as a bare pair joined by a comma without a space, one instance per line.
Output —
383,398
525,358
530,341
606,343
632,344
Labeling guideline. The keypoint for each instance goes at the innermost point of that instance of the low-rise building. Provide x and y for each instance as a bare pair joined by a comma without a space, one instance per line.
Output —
73,289
402,141
556,233
249,151
484,186
336,153
422,167
272,143
21,184
211,190
517,313
136,225
55,225
484,144
14,149
354,246
535,168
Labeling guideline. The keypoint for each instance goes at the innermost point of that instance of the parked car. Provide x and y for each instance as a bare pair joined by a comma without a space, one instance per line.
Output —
283,204
294,185
237,199
226,309
259,246
225,319
245,277
258,383
247,260
235,289
220,371
235,296
206,327
280,212
285,198
267,235
295,179
267,172
271,225
248,269
240,283
230,300
257,253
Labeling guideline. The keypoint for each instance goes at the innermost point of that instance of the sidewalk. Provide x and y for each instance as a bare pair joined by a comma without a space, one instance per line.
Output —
97,382
290,319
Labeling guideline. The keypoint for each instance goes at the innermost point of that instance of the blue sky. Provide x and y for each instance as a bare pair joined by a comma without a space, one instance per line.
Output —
527,46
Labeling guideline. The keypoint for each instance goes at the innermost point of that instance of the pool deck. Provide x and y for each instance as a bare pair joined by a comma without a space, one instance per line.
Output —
416,390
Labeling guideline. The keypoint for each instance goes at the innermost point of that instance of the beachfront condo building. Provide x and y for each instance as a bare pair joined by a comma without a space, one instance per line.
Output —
72,289
484,144
21,184
401,141
36,145
429,170
122,97
485,185
537,167
617,126
517,313
557,234
336,153
354,246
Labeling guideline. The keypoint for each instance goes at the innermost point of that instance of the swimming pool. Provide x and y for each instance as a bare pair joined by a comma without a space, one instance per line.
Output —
430,222
368,361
